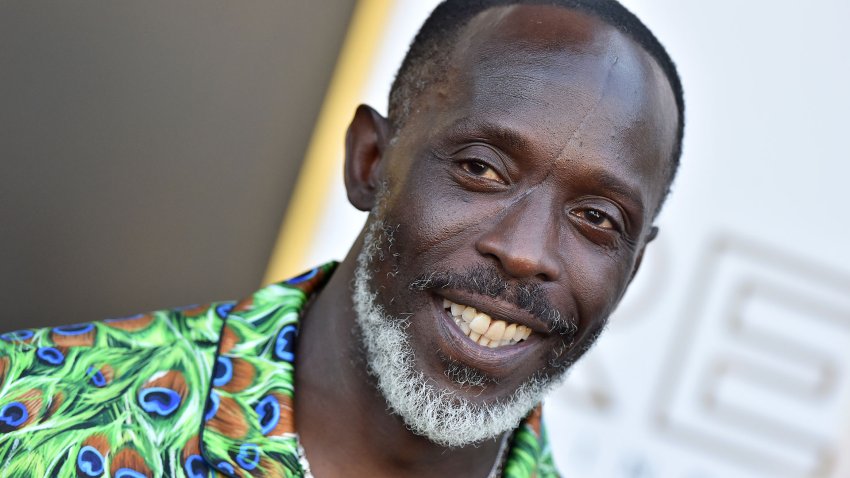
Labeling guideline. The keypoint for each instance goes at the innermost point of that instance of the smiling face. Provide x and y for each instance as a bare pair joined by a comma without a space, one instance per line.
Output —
519,196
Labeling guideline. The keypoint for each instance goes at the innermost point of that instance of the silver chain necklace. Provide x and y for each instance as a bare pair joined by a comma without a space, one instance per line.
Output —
494,470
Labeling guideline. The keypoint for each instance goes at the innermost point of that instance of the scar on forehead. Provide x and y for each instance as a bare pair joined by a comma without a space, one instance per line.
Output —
586,116
560,158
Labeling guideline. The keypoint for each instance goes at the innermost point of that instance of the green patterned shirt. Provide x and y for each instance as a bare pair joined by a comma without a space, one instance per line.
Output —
192,392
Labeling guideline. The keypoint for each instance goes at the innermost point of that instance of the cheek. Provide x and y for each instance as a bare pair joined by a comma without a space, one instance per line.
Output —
437,219
597,279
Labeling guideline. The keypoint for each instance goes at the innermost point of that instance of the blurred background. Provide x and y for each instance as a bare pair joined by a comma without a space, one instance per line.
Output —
161,153
149,148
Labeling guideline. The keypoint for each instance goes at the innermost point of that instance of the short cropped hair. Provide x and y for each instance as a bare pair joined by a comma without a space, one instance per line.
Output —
426,60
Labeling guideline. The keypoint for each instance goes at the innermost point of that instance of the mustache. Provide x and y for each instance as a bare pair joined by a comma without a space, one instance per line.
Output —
486,280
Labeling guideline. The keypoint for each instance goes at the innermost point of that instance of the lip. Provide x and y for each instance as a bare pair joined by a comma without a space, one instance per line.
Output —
497,362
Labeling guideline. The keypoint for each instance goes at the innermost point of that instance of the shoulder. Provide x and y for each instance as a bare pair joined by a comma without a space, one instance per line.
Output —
61,387
96,350
153,329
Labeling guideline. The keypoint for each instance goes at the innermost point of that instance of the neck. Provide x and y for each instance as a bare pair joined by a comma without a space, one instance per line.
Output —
341,417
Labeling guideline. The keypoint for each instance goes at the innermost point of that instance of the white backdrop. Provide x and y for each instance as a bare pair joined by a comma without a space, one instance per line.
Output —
729,356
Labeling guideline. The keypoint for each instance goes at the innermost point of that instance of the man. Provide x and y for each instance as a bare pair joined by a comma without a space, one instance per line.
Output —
512,191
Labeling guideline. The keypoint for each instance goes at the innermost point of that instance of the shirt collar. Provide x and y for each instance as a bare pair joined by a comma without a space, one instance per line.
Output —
248,424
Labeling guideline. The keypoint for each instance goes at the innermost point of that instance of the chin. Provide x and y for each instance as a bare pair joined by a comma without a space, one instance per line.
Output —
464,393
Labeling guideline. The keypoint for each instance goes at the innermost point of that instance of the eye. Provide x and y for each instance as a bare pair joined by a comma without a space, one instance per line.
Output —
481,170
597,218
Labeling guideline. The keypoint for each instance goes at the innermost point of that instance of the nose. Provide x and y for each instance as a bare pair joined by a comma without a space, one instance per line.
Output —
524,240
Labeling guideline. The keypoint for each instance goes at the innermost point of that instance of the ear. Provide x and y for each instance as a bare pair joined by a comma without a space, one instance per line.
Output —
365,144
653,233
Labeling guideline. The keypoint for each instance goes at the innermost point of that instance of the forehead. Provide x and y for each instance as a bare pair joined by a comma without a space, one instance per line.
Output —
565,84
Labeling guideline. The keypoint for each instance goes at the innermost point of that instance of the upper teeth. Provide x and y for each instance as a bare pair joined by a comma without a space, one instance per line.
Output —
482,329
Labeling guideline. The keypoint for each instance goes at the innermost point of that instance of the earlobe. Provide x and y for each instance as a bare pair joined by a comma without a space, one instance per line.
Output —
365,144
653,233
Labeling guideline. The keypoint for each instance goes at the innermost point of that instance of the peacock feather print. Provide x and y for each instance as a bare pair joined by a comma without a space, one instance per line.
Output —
198,391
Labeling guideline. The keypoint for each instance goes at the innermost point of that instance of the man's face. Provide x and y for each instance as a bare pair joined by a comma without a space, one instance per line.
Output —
523,186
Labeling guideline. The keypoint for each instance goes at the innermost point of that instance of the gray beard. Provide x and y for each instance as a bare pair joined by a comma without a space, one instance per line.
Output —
441,415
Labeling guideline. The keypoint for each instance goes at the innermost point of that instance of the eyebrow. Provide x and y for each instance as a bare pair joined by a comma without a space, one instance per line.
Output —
624,192
508,137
